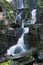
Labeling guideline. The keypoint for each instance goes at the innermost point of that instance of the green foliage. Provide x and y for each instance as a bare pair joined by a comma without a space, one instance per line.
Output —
41,44
40,3
9,16
26,14
31,27
30,58
8,7
24,60
39,16
6,62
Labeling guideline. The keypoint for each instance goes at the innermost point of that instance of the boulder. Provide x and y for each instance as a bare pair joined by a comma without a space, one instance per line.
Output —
30,40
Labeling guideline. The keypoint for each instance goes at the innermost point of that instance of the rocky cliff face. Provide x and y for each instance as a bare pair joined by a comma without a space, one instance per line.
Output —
30,40
10,37
39,15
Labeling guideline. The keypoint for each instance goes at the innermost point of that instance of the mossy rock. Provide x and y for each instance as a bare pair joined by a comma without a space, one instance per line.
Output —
39,16
26,14
39,3
41,44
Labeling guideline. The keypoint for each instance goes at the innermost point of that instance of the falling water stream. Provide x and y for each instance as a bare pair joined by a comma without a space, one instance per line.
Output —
19,4
33,19
20,46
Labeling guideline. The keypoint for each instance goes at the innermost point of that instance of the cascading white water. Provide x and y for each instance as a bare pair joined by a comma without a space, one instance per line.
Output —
33,19
19,4
18,16
9,0
20,46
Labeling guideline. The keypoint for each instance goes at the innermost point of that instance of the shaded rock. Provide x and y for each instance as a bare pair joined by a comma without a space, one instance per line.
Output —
14,63
33,39
19,32
15,25
10,32
17,50
30,40
41,32
12,36
2,48
10,41
19,22
26,42
14,32
1,8
39,16
32,4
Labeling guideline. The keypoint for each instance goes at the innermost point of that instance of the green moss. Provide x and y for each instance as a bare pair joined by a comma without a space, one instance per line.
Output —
6,62
31,27
39,16
39,3
26,14
27,59
41,44
21,63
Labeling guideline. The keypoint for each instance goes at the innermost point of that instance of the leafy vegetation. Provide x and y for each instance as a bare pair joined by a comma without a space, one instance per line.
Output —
22,62
40,3
39,15
26,14
6,62
9,13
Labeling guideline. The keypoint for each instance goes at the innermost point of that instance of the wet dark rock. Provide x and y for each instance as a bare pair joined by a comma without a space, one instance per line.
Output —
2,48
19,22
30,40
41,32
14,63
26,42
14,32
7,41
32,4
10,41
33,39
15,25
39,15
1,8
18,50
1,22
41,38
36,31
19,32
10,32
10,37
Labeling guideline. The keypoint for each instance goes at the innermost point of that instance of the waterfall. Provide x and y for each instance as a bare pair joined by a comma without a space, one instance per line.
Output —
33,19
17,16
20,46
19,4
